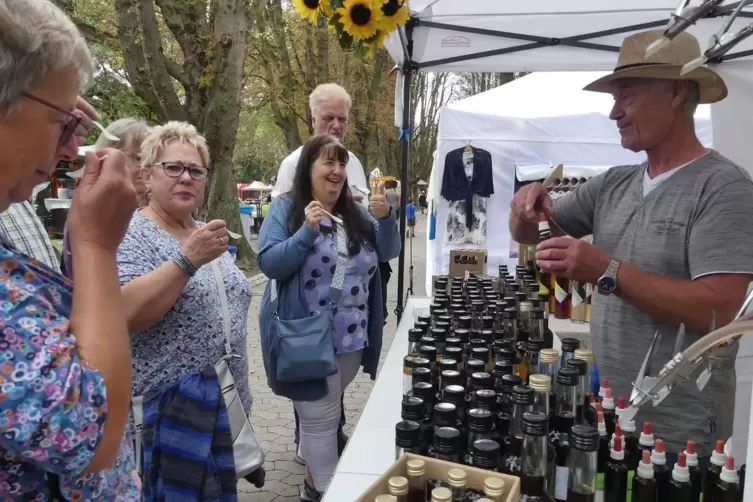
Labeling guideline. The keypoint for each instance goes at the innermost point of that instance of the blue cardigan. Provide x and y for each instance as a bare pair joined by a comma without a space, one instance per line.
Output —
281,256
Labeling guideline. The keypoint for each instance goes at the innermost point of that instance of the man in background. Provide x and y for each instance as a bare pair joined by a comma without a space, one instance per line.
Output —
410,216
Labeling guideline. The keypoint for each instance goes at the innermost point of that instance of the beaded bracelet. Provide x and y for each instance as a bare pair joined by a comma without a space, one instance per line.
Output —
185,264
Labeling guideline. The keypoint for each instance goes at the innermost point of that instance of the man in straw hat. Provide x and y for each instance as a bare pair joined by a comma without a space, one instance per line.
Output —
671,236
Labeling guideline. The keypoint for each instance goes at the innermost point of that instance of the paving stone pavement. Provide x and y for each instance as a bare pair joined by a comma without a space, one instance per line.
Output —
272,416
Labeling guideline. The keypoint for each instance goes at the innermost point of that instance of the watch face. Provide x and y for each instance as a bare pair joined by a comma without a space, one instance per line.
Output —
607,285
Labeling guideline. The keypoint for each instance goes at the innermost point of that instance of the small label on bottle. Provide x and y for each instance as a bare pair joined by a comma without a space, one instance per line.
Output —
560,483
407,384
589,289
577,298
559,293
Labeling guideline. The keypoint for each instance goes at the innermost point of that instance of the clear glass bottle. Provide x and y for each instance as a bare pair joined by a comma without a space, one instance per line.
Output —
440,336
414,337
548,359
584,444
446,444
533,472
485,454
537,323
398,488
504,407
480,426
416,481
522,399
511,323
562,423
407,375
544,301
542,385
533,349
407,438
524,315
582,417
569,346
587,355
457,479
478,310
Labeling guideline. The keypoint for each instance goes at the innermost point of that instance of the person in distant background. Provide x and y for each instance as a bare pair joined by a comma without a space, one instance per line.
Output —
392,196
410,215
422,201
265,209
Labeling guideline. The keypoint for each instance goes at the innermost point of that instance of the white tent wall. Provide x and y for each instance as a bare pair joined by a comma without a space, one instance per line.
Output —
542,22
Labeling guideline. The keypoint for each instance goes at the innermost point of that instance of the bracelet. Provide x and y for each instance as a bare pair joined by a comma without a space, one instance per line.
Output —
185,264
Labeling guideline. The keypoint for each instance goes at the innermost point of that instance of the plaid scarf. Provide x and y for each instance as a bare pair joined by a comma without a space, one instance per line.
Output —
187,445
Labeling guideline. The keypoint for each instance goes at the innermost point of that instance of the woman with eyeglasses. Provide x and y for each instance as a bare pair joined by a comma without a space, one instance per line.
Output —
169,289
65,360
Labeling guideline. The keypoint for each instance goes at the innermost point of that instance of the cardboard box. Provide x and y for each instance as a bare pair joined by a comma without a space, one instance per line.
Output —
472,261
437,469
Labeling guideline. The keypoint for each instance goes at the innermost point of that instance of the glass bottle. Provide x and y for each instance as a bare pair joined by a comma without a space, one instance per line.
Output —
414,336
485,454
644,484
494,489
430,352
548,359
480,425
533,471
421,375
582,417
569,346
478,309
680,487
407,438
449,377
448,364
584,444
616,477
416,480
562,422
445,415
482,354
593,370
533,348
522,399
728,487
440,335
511,323
412,409
407,375
561,297
505,406
398,487
542,385
713,471
425,391
537,323
544,301
455,394
473,366
457,480
446,444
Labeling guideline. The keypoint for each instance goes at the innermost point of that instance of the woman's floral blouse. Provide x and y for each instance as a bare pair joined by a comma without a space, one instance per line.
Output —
52,405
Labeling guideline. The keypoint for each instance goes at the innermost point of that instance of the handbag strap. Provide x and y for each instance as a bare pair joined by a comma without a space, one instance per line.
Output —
223,303
338,278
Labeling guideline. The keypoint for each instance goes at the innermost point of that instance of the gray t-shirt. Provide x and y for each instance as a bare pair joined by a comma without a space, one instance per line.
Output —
697,222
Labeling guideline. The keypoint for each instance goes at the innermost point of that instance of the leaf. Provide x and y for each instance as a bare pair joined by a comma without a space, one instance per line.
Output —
346,40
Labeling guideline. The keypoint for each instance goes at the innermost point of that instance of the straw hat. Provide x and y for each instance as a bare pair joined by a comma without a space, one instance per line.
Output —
665,65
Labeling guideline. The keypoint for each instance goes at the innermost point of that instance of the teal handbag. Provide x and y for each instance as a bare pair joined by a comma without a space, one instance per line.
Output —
304,347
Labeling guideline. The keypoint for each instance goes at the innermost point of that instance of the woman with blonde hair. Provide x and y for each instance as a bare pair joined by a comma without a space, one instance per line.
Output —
175,318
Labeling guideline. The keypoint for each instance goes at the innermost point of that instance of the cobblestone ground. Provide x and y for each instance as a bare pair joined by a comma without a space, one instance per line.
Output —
272,416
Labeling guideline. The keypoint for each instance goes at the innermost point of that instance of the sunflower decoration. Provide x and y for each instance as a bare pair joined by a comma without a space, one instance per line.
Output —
361,18
394,13
310,9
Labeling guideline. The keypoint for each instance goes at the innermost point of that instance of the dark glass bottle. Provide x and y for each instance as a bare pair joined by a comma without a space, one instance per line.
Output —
728,486
446,444
581,367
584,445
533,471
680,487
645,441
603,451
694,472
644,485
561,297
425,392
562,423
607,405
440,333
480,426
661,470
416,480
718,460
616,477
522,399
485,454
420,375
407,438
430,352
412,409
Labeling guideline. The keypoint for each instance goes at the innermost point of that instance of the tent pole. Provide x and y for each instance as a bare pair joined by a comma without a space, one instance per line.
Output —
405,133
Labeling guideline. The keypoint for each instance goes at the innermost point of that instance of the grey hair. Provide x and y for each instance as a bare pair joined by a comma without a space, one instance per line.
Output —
130,131
325,91
161,135
692,99
36,37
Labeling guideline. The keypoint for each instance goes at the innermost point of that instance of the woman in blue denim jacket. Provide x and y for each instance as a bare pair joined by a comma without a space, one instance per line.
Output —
298,249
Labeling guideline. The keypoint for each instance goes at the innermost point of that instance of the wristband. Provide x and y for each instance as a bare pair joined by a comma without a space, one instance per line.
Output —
185,264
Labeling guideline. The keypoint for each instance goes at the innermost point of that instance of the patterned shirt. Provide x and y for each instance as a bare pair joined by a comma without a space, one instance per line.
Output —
53,406
21,226
190,336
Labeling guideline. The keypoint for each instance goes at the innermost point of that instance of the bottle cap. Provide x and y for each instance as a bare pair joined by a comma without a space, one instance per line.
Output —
601,425
506,355
568,377
598,407
441,494
480,353
570,344
537,313
680,473
475,366
485,399
584,355
439,333
510,381
647,438
645,470
415,334
580,366
407,434
398,486
523,395
481,380
456,478
485,453
421,362
454,394
421,375
691,454
416,467
385,498
447,440
428,351
717,456
621,403
448,363
412,408
425,391
535,424
535,344
480,420
540,383
608,401
658,456
494,487
548,356
584,438
450,377
454,353
729,473
510,313
617,453
445,415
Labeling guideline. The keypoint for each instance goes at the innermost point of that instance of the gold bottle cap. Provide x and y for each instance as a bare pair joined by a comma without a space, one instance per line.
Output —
584,354
385,498
540,383
526,306
398,485
548,356
441,494
493,487
456,477
483,499
416,468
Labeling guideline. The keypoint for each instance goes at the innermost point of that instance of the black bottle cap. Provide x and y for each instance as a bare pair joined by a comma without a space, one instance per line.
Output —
502,368
481,380
440,283
476,340
425,391
475,365
522,394
428,352
537,313
520,296
447,440
423,326
478,305
445,415
544,298
441,330
485,453
579,365
502,343
480,420
453,342
488,336
451,377
421,375
514,286
428,340
584,438
415,334
480,353
445,318
507,355
435,307
463,333
407,434
485,399
455,353
448,364
412,409
535,344
464,322
424,318
454,394
421,362
570,344
510,313
535,424
488,322
509,382
567,376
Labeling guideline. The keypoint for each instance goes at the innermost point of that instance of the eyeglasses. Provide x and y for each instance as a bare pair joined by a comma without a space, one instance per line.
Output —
176,170
70,127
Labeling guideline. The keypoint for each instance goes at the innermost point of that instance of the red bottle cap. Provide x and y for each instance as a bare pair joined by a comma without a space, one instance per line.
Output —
719,447
618,443
647,428
646,457
608,393
600,414
730,463
659,446
621,402
617,431
682,459
691,447
604,383
598,407
543,217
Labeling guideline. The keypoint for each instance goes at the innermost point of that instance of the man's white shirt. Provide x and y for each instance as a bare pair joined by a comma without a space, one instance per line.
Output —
354,171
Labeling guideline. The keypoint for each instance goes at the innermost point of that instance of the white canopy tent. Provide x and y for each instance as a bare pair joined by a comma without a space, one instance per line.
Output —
581,35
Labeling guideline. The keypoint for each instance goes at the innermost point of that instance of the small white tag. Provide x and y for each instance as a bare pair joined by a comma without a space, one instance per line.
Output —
703,379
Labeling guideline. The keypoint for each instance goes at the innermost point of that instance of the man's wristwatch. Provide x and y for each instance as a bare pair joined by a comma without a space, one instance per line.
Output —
607,283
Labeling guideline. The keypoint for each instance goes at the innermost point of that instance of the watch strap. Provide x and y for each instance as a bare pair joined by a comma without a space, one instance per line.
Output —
612,269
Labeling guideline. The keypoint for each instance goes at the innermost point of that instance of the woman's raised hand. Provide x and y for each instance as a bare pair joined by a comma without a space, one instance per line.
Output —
206,243
314,213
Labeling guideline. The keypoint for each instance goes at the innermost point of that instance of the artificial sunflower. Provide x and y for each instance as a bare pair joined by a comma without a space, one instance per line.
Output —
394,13
310,9
361,18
